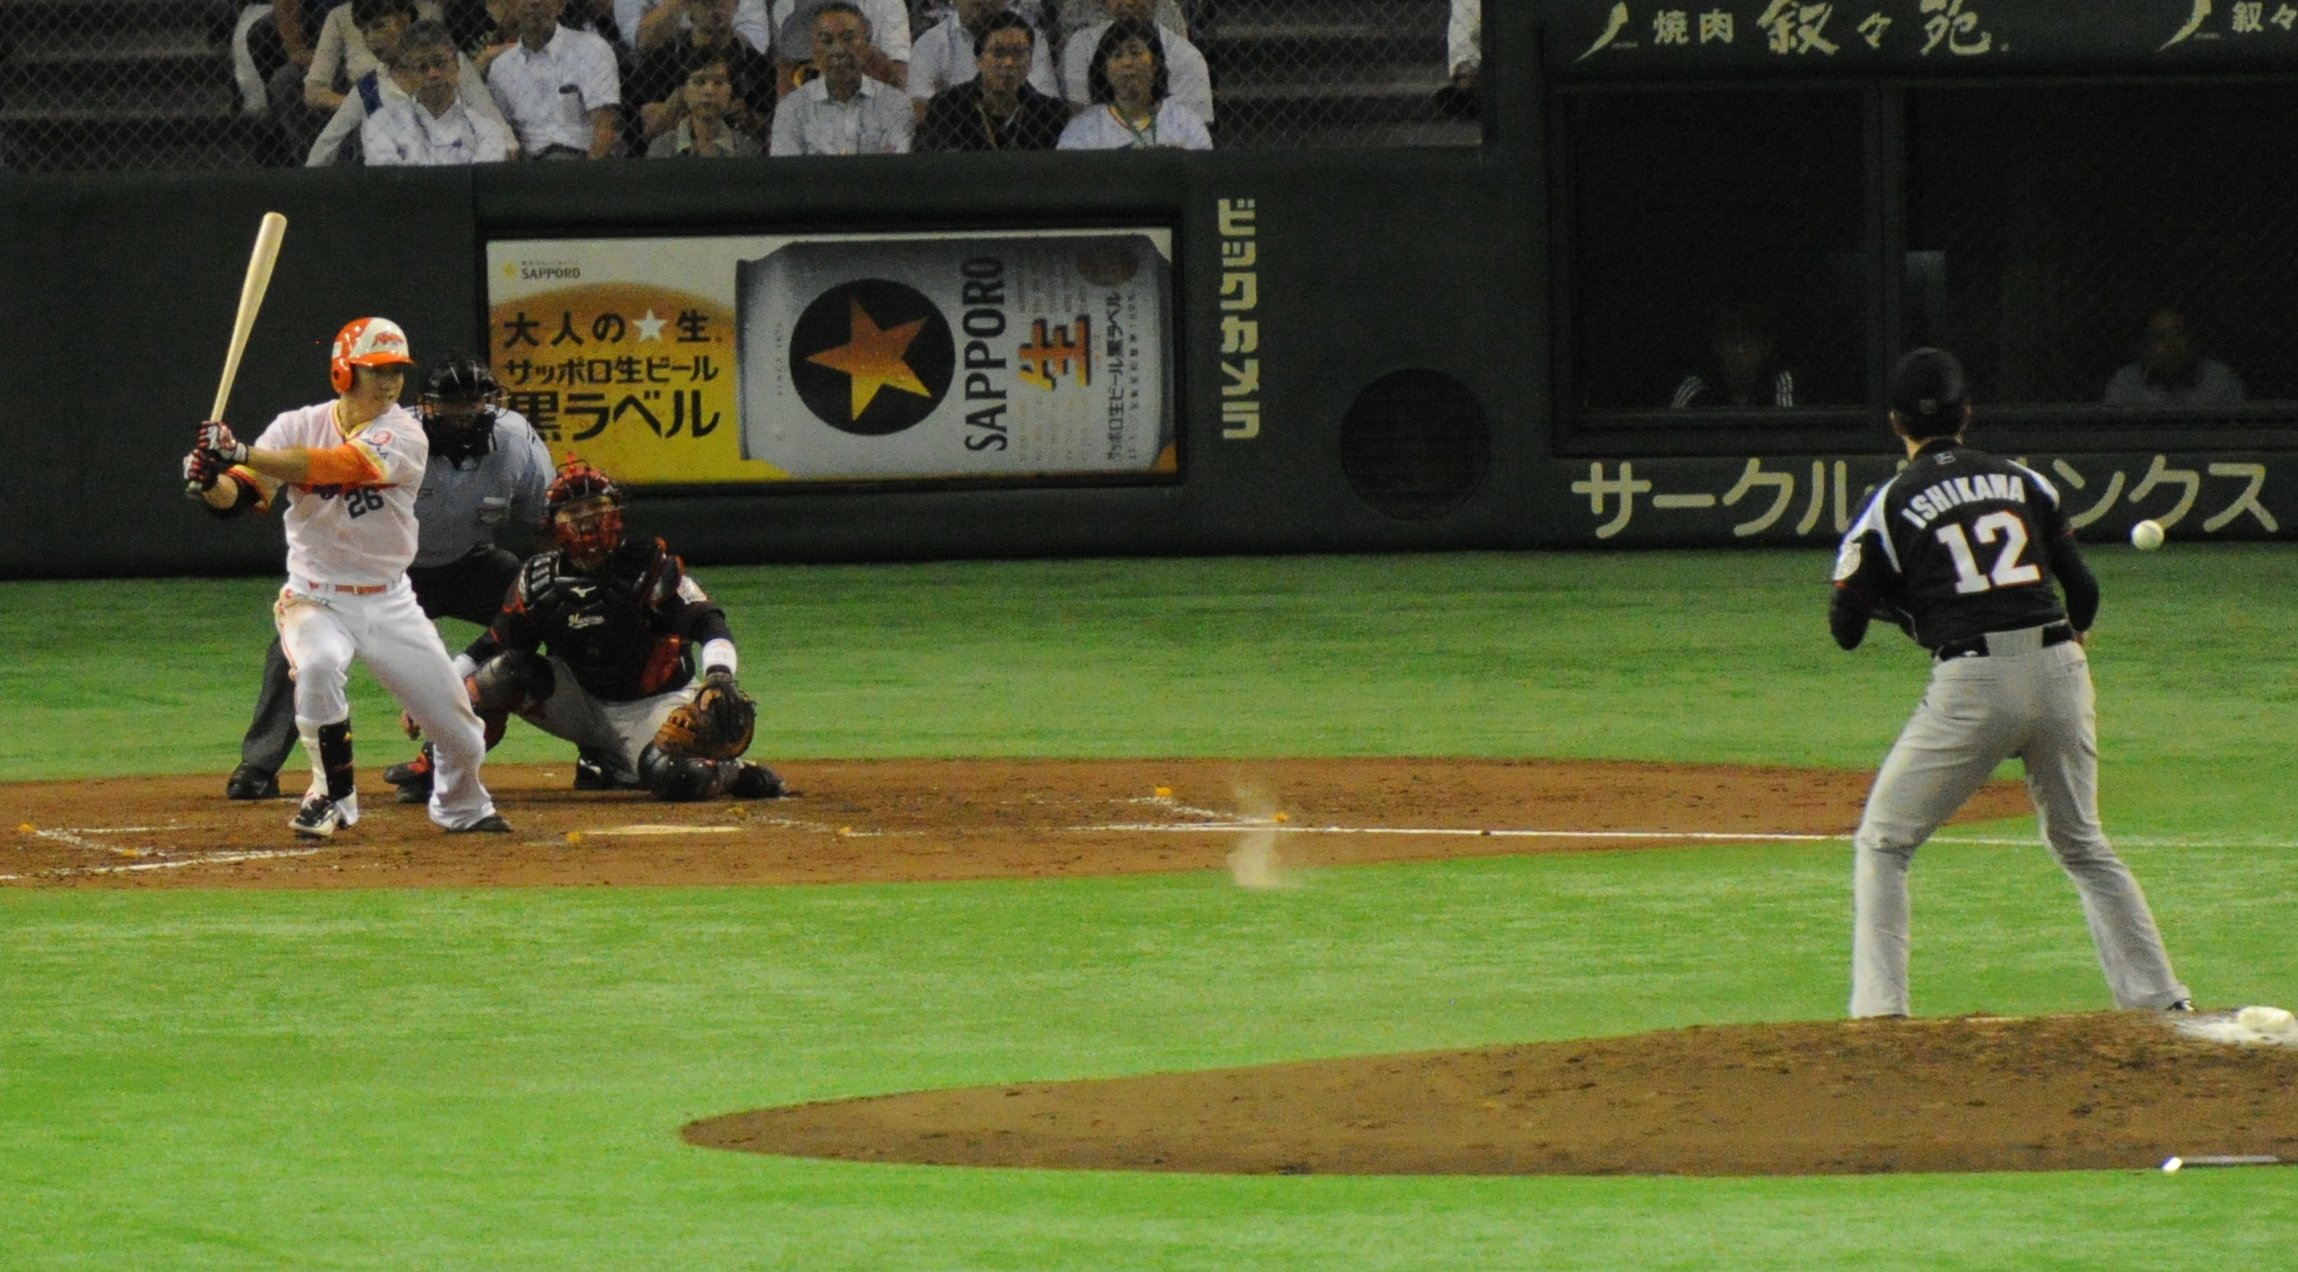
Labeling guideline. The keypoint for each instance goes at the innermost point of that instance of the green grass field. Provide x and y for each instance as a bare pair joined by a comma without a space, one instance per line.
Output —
495,1079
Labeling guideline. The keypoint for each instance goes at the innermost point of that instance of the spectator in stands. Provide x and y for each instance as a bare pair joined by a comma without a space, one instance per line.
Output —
659,83
426,122
371,91
353,39
1742,369
2171,369
1072,16
287,39
1464,56
999,108
704,129
948,54
842,111
1182,66
885,59
647,25
560,88
1132,109
1464,42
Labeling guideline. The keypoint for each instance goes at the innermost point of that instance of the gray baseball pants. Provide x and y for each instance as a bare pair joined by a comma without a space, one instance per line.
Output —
2022,699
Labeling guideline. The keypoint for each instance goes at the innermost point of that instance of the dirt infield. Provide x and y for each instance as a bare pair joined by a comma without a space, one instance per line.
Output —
909,820
2092,1092
1970,1094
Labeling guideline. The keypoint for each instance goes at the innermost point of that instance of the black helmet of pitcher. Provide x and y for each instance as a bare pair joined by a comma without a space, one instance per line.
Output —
458,406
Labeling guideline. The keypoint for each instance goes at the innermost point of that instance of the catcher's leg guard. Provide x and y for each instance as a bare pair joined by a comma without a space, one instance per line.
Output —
511,681
684,777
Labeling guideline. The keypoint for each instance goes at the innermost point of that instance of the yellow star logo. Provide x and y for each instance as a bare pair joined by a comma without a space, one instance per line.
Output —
872,356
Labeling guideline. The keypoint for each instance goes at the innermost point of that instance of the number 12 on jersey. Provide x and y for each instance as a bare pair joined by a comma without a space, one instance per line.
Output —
2008,570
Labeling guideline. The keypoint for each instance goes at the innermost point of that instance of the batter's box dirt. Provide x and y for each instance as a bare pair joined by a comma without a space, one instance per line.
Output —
920,820
2091,1092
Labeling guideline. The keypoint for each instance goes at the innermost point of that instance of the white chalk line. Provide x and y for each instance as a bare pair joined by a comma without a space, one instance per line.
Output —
211,859
1716,836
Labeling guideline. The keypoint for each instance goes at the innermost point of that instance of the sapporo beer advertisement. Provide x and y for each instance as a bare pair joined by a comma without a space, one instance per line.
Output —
739,360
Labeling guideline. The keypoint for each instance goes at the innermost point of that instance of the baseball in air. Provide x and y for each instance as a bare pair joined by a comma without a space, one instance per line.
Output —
2146,536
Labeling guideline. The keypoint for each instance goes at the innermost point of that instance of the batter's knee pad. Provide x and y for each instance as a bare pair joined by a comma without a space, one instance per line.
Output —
511,681
683,777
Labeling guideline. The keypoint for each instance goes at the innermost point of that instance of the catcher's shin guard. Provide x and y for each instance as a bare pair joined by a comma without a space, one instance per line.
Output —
513,680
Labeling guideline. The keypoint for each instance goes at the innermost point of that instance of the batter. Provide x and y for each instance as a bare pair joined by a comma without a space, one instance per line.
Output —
1967,553
352,467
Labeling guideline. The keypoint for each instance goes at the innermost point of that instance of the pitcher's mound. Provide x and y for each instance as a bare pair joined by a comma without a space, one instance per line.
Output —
1975,1093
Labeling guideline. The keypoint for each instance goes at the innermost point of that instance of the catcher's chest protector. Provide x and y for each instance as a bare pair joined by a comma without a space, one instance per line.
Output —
608,626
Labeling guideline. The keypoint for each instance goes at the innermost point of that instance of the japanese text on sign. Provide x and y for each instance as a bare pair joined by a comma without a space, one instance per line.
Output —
1240,331
1822,500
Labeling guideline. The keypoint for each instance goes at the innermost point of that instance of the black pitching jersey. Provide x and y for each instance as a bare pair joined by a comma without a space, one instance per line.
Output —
1961,543
628,630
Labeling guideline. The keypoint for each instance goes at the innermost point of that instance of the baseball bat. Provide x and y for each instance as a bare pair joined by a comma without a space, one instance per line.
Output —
251,289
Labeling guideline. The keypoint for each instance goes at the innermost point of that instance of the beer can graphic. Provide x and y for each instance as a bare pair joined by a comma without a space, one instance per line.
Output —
968,356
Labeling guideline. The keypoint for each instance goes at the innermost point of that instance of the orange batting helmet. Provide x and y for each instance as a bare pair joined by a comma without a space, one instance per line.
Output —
366,342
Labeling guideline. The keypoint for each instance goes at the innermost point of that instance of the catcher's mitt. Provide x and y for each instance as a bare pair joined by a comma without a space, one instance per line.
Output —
716,725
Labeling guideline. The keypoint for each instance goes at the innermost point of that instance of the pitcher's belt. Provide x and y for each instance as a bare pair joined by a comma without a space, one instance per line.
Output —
1976,646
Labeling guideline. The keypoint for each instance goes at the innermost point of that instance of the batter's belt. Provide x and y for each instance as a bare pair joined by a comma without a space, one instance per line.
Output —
2020,640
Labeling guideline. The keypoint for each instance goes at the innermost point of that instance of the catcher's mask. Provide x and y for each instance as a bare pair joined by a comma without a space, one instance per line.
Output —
458,406
586,514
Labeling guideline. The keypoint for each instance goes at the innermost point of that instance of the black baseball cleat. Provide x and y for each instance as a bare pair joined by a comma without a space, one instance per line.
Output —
491,824
2183,1004
756,781
413,778
249,782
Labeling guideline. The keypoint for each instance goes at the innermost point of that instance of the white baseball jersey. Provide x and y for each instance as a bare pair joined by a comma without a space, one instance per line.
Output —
357,535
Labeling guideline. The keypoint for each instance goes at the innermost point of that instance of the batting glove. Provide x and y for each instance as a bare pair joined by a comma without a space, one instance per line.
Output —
200,473
216,438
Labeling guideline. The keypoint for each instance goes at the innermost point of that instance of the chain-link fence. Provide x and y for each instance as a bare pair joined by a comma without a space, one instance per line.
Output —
116,84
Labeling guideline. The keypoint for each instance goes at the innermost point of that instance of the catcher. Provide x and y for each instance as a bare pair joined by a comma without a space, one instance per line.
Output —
597,642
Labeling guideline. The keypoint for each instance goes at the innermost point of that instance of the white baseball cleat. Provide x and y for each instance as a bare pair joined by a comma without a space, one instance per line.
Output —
320,816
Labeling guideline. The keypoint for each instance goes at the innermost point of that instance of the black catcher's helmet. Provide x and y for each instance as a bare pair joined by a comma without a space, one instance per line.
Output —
458,405
585,514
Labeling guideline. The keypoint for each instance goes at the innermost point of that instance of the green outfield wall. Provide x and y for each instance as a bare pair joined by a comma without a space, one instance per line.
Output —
1366,349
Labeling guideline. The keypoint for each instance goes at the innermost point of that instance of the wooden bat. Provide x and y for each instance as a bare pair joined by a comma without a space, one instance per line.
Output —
251,289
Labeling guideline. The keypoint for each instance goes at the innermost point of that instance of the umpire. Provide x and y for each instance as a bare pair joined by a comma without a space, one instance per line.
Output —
1967,552
488,472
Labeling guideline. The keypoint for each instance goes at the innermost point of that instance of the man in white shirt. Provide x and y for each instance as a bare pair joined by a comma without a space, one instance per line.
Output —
376,89
1464,41
842,111
559,87
944,56
886,59
427,124
1188,80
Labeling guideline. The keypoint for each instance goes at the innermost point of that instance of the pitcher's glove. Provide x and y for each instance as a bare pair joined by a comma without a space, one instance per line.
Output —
716,725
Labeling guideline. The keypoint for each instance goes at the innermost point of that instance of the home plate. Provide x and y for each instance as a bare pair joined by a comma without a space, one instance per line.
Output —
648,828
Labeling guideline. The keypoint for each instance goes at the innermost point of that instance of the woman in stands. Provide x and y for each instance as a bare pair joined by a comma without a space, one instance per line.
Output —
1131,108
